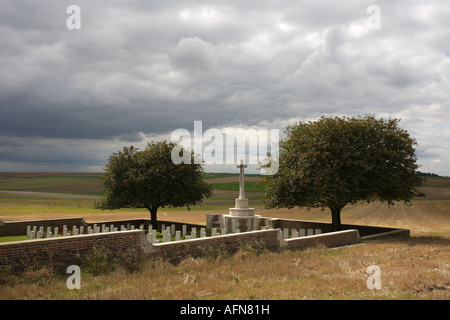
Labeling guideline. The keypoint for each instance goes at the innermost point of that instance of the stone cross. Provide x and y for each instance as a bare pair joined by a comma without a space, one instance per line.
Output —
241,179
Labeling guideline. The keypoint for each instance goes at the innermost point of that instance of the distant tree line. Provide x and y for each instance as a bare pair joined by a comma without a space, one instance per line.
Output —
427,174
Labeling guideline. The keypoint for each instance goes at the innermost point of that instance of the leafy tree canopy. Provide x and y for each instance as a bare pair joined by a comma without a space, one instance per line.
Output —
337,161
149,179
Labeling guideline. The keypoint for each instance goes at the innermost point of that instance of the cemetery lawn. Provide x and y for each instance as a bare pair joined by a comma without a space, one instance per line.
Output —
13,238
416,268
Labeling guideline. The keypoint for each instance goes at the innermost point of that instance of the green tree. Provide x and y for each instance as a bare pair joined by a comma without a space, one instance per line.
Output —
337,161
149,179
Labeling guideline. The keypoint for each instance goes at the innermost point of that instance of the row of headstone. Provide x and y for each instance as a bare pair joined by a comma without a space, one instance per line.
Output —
169,233
295,233
35,233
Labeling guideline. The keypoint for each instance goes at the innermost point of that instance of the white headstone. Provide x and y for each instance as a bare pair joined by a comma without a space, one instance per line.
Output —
302,232
172,229
184,230
317,231
223,231
56,231
310,232
213,232
32,235
177,235
81,229
285,233
168,235
294,234
28,230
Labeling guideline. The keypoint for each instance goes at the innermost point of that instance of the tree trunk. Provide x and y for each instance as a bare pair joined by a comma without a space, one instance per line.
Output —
336,219
153,217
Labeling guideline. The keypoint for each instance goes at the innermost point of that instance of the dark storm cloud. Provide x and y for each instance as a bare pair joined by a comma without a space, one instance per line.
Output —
141,69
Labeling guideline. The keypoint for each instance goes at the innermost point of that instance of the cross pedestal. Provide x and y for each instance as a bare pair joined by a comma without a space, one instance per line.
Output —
241,216
241,208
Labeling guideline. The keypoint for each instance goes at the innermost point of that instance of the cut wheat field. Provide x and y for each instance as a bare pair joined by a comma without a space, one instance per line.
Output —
415,268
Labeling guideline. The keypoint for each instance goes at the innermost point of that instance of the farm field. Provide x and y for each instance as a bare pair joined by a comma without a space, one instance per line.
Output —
25,196
416,268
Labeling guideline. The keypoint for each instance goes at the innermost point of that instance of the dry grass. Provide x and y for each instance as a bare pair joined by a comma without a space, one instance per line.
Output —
418,268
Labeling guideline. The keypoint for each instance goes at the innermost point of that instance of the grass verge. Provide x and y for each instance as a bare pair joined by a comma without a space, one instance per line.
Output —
412,269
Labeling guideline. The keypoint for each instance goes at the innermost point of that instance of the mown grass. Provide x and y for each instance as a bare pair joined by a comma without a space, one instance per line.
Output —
90,184
436,186
249,186
209,175
13,238
83,183
437,178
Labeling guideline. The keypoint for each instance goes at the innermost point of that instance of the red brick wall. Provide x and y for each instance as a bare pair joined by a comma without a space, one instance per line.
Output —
334,239
176,251
64,251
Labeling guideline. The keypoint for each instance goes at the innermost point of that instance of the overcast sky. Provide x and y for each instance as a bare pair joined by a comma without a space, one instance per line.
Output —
138,70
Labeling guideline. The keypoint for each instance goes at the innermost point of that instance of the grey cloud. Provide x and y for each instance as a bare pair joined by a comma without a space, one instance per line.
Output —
139,68
193,54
